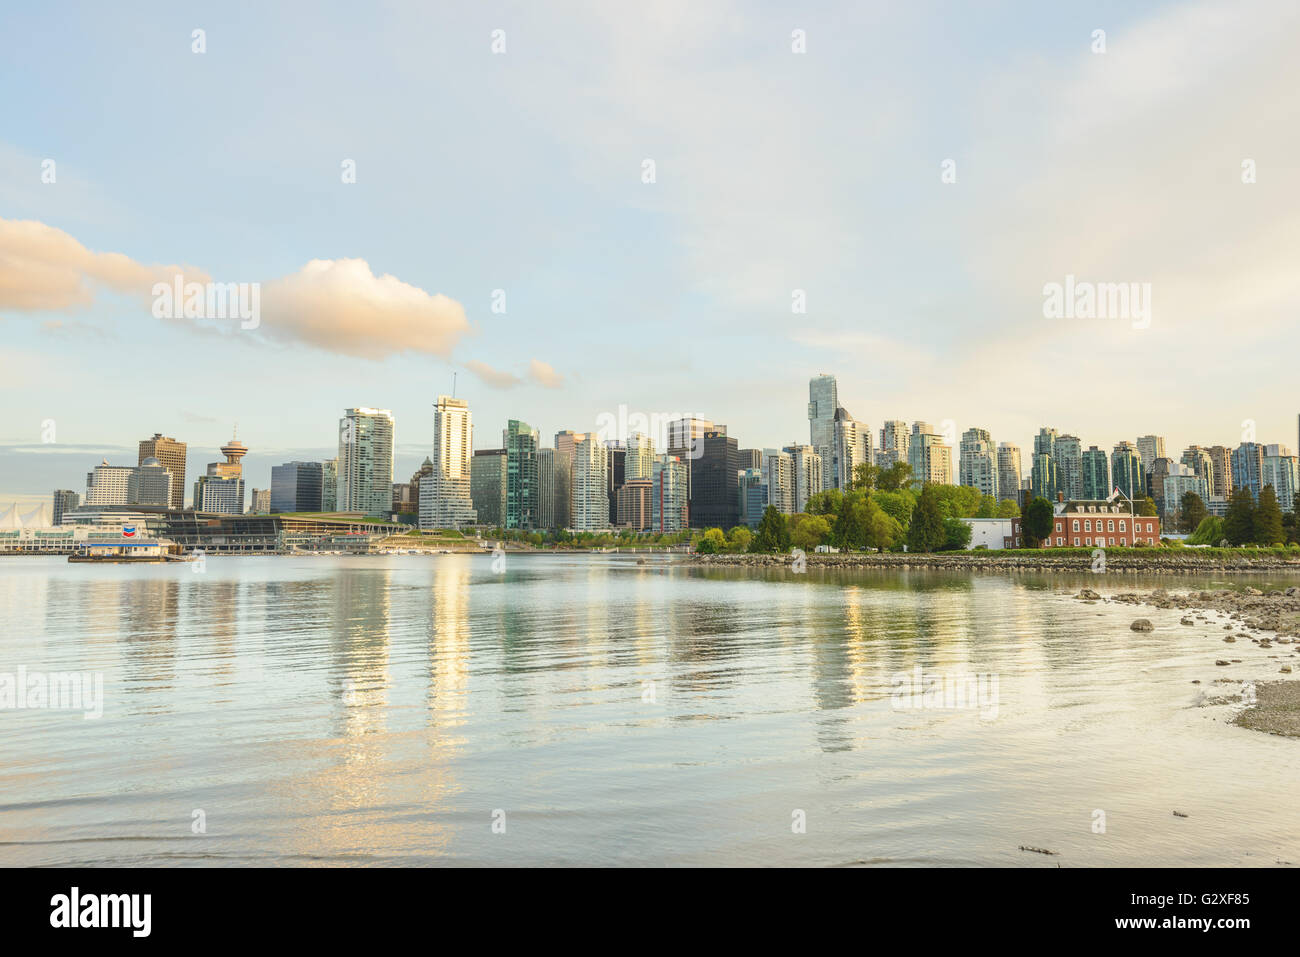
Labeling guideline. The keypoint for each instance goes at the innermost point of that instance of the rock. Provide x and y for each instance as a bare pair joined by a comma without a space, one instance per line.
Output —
1230,638
1285,669
1142,624
1186,621
1221,663
1181,814
1088,594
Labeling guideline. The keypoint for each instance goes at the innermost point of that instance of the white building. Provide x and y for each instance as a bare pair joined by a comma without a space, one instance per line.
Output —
668,498
590,495
638,463
365,471
808,481
977,465
445,500
109,484
988,532
778,476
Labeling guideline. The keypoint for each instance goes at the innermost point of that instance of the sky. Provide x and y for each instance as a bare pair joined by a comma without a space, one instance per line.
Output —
916,177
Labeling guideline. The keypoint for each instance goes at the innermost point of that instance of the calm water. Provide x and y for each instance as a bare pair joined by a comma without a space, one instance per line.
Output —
380,710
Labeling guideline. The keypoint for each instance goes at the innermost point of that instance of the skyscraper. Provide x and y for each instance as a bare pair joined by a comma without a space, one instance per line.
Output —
590,485
546,488
296,487
977,466
639,460
807,465
329,485
823,403
778,476
1009,471
446,499
1126,470
850,447
1150,448
1248,466
520,442
1069,466
929,457
150,484
1096,474
365,475
172,456
713,483
1279,469
895,441
668,494
1201,462
487,482
1221,485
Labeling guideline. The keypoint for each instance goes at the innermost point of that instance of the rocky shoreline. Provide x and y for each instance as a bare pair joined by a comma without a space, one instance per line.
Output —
1268,620
1158,562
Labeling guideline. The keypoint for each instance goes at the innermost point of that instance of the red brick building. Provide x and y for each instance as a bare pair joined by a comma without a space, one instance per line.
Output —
1094,524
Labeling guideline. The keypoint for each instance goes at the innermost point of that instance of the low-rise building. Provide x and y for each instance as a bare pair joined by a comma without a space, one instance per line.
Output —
1093,524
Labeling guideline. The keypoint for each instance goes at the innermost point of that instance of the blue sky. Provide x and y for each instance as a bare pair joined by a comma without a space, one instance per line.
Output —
522,171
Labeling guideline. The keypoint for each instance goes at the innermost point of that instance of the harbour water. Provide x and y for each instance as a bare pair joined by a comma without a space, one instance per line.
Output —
586,709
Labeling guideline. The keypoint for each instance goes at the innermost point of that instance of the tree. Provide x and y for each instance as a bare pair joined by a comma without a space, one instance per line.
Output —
740,537
711,542
773,532
894,478
1208,532
926,533
957,501
1268,518
898,505
956,534
1147,506
1036,524
850,529
864,476
1008,508
812,531
988,507
1191,511
883,530
825,503
1239,523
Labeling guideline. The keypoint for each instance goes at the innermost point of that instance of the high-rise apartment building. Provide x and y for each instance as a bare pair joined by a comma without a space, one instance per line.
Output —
1221,485
850,447
635,509
615,474
1279,469
365,470
172,456
895,443
1009,477
751,497
1126,470
445,498
669,503
1096,474
977,465
807,466
221,488
1201,462
1248,466
1069,466
778,475
638,462
929,457
1150,448
590,485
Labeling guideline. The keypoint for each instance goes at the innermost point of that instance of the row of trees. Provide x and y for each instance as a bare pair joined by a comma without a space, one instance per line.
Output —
1247,522
879,510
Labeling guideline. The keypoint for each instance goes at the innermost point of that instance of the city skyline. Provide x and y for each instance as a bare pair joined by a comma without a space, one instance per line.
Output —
379,291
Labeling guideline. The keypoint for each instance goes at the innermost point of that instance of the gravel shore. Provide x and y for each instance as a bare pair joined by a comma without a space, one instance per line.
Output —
1153,561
